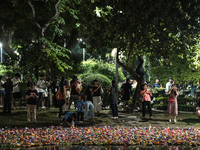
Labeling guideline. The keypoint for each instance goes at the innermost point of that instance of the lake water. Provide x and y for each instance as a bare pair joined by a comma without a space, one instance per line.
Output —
109,148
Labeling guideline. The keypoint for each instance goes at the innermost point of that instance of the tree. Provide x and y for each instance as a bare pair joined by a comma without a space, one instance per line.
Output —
155,29
42,35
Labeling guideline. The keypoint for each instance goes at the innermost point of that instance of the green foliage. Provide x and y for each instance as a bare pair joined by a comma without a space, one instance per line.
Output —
87,79
109,70
190,108
181,101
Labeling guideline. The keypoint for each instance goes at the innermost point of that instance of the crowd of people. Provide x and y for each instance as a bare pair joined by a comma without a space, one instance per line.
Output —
87,104
64,94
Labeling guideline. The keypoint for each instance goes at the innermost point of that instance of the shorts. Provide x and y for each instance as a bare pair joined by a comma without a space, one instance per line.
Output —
74,98
17,95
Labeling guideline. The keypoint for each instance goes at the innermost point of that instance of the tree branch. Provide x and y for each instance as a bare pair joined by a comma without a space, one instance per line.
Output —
129,53
53,18
33,10
126,67
6,39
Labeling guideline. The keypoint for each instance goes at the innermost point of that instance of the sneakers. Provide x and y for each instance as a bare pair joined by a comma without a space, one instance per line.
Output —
175,120
170,120
43,107
115,117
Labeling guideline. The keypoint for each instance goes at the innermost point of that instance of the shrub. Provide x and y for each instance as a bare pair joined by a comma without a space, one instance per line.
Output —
87,79
184,104
99,67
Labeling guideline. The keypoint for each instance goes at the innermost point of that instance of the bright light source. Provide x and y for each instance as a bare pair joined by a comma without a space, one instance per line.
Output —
0,45
80,40
16,53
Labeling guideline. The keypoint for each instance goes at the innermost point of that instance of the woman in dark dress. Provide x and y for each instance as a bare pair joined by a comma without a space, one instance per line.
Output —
126,97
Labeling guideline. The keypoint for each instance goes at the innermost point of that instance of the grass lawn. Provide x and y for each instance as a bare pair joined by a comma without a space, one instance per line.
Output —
18,118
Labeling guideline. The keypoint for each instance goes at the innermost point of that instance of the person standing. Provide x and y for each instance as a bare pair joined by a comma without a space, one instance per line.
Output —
114,99
157,84
45,95
172,108
169,85
8,85
192,88
89,104
61,96
31,96
146,101
2,90
127,89
41,86
74,94
134,85
80,105
16,90
55,88
97,91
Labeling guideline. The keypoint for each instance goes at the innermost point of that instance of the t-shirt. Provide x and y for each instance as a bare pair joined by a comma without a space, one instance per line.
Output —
60,95
32,100
16,88
134,85
73,88
41,83
89,95
98,92
168,87
80,103
146,96
156,85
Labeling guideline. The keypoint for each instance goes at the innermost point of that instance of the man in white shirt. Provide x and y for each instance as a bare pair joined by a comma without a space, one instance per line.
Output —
169,85
16,89
41,86
134,85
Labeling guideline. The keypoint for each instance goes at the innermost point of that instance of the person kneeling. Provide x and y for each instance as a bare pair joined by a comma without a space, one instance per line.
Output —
70,119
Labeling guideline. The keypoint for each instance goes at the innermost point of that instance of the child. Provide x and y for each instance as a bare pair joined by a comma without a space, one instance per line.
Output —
31,96
70,119
80,105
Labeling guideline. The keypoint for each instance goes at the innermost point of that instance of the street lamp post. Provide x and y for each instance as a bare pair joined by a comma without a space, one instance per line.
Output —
83,50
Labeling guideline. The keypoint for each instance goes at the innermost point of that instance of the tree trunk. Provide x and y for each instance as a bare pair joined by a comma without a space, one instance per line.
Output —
138,76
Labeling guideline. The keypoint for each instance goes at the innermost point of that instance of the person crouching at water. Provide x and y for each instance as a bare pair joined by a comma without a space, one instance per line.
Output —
146,101
70,119
172,103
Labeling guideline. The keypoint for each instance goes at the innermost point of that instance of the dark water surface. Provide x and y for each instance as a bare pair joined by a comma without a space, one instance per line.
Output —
108,148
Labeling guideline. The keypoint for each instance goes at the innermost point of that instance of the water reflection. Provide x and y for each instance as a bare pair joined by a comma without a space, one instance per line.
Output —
112,148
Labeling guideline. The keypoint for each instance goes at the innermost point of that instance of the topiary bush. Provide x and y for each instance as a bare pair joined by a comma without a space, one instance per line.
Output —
87,79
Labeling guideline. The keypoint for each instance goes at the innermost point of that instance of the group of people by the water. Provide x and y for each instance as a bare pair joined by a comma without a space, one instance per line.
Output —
65,93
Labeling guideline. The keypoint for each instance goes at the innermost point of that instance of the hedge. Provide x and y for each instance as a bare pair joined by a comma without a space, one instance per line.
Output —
191,108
